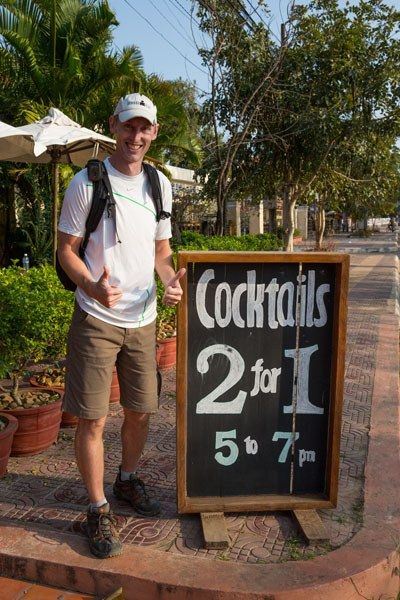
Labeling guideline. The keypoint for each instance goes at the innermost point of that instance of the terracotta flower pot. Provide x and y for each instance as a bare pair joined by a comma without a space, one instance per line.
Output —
68,420
6,439
38,426
166,352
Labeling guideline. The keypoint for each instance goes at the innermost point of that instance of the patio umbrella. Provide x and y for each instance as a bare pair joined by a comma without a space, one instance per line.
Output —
65,141
16,140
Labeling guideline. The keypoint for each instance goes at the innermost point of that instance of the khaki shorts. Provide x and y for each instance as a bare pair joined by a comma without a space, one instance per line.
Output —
94,347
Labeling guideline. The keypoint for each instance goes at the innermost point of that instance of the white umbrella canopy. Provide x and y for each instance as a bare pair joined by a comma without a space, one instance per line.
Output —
16,140
65,141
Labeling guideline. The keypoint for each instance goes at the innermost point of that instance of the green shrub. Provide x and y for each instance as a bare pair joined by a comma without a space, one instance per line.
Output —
35,313
191,240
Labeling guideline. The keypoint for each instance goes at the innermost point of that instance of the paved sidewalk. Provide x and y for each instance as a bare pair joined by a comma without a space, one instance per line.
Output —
376,243
42,501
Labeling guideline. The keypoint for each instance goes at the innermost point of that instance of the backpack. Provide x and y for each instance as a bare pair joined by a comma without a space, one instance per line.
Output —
102,199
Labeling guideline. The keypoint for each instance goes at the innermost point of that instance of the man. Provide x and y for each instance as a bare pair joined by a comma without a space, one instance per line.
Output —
114,317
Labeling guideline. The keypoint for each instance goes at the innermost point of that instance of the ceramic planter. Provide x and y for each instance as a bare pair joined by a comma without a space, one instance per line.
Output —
166,352
38,426
68,420
6,439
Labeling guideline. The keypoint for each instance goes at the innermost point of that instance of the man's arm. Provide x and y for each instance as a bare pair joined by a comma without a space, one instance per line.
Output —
165,269
68,255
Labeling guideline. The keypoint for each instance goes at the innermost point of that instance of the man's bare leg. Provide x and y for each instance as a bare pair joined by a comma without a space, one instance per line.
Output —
128,486
134,433
89,453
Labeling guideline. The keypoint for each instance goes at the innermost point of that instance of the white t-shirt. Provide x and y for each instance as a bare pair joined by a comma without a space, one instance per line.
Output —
132,260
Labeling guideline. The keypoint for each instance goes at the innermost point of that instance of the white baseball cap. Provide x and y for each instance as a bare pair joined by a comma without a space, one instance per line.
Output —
136,105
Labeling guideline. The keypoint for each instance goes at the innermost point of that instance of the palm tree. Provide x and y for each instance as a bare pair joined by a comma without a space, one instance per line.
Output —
59,54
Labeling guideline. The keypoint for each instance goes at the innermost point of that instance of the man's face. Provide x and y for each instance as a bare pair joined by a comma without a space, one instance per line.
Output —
133,138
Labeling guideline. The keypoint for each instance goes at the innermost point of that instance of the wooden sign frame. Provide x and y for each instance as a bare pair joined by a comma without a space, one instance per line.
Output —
193,504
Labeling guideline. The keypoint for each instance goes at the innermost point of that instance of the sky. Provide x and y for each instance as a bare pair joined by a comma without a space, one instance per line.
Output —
162,29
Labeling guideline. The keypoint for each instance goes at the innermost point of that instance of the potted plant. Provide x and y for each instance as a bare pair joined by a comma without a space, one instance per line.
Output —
53,377
165,331
34,319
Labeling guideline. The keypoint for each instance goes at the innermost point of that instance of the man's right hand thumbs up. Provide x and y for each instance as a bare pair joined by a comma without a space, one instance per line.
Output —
101,290
105,275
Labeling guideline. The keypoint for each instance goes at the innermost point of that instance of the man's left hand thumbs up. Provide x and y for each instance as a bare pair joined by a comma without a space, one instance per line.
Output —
173,291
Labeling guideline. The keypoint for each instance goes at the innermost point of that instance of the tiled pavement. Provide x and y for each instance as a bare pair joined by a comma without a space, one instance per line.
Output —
46,489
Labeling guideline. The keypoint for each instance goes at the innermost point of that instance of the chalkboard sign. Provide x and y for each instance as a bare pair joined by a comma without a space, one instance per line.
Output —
261,343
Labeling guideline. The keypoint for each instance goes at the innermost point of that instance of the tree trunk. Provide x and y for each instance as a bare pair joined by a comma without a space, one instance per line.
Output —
219,222
289,203
7,224
319,226
222,193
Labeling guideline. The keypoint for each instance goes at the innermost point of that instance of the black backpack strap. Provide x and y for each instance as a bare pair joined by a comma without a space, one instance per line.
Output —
155,185
103,198
100,197
111,210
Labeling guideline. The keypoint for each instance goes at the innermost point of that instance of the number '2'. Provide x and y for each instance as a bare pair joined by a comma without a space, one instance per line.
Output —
208,404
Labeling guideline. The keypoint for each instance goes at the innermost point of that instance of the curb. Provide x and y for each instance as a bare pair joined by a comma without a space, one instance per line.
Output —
381,250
